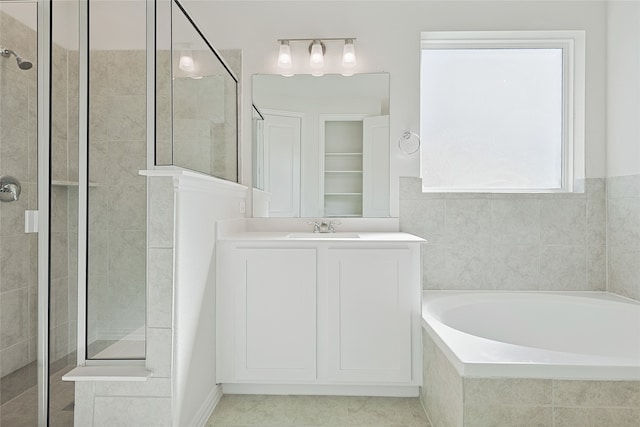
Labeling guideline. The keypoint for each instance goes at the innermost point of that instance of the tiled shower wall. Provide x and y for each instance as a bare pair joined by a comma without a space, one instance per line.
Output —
18,157
117,194
64,205
623,235
509,241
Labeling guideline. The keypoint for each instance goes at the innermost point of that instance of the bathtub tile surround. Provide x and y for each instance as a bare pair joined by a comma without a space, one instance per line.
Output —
483,416
496,401
596,417
303,411
623,234
508,241
442,388
455,401
597,393
507,392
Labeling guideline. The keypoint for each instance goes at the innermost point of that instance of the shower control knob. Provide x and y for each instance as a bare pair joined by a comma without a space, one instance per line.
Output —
9,189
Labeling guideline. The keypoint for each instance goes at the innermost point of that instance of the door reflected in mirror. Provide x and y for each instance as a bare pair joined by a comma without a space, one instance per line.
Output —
321,146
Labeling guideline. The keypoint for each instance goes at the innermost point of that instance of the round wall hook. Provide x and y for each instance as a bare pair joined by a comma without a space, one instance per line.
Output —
409,143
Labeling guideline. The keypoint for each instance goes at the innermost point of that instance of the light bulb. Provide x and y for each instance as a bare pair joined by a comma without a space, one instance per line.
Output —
186,61
316,59
349,61
285,63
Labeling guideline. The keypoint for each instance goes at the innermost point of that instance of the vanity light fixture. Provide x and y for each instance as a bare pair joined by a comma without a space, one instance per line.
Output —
284,59
317,52
186,60
348,57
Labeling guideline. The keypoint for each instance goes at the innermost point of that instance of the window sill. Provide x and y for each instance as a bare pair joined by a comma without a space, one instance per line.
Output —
501,195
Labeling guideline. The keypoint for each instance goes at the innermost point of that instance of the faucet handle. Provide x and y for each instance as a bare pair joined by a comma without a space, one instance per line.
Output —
316,226
331,226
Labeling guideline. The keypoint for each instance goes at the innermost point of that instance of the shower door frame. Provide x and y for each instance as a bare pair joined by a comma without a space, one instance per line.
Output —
44,124
43,91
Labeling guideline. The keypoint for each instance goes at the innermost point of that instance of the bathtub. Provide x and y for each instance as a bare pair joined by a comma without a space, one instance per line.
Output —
559,335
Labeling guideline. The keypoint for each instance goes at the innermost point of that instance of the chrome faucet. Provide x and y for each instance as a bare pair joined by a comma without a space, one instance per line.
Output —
324,226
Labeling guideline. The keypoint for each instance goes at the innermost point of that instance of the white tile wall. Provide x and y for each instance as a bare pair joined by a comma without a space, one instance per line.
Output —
159,352
160,295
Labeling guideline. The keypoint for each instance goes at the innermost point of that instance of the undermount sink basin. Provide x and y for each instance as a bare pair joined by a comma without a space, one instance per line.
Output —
338,235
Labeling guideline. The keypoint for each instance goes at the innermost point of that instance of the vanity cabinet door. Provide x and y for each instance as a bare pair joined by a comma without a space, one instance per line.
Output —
369,316
275,315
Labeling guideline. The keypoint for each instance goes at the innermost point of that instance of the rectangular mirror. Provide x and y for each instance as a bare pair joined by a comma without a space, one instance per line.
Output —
321,146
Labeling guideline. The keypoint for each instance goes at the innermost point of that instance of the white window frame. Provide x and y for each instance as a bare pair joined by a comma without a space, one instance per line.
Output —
572,44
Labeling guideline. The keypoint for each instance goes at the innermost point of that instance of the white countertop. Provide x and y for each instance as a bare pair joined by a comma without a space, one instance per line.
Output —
363,236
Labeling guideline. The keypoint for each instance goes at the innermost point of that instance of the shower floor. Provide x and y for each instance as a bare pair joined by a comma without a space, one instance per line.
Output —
22,410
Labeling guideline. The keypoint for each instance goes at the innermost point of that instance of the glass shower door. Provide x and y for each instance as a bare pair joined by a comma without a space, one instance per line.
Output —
18,192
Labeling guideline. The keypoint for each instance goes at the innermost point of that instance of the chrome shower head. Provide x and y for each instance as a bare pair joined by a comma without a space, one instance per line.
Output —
22,63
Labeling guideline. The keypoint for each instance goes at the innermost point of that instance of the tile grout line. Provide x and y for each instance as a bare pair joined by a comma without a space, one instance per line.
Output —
553,403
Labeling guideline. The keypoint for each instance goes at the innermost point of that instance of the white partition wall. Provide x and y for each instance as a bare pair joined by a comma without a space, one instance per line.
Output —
183,207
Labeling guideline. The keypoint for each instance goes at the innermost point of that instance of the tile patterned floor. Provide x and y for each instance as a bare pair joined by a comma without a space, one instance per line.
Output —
22,410
317,411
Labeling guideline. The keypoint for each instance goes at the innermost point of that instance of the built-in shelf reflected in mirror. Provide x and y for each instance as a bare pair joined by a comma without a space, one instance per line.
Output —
321,146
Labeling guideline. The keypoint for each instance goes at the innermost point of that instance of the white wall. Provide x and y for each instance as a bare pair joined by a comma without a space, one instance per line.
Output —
115,24
23,12
199,202
623,88
388,39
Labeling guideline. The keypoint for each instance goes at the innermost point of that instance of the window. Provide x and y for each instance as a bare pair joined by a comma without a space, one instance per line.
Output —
502,111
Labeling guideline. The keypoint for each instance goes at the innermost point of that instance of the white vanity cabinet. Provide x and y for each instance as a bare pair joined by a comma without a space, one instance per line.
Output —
273,313
369,315
319,315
